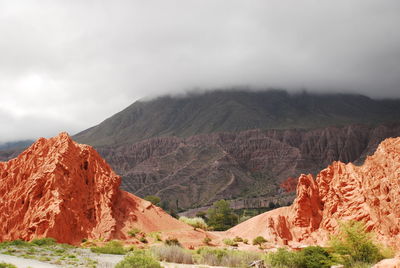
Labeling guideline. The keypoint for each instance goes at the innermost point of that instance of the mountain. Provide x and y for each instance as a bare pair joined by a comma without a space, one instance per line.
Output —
248,167
238,145
14,145
58,188
341,192
231,111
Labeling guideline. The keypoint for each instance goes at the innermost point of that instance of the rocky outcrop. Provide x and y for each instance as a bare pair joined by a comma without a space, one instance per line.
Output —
341,192
250,167
58,188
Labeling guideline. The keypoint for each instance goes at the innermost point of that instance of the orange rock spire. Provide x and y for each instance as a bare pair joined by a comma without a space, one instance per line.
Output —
341,192
58,188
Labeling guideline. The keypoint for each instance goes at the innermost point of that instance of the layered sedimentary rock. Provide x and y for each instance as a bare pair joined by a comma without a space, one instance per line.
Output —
58,188
341,192
251,165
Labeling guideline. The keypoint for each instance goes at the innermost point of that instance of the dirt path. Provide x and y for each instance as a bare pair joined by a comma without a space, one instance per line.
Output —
177,265
25,263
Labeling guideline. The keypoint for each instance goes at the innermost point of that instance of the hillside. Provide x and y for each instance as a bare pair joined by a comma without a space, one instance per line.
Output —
220,111
58,188
340,192
248,167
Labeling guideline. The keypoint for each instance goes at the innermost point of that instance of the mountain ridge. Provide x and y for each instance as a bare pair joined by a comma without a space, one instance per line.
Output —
219,111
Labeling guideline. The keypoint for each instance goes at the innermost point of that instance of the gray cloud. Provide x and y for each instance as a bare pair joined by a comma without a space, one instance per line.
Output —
67,65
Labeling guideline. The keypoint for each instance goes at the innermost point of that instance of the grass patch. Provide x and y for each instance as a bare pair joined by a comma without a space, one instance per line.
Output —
138,259
173,253
7,265
112,247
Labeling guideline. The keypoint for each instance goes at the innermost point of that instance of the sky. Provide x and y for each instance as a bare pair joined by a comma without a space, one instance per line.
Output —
68,65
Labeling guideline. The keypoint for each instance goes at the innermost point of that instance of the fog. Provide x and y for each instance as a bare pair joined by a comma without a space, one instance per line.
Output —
68,65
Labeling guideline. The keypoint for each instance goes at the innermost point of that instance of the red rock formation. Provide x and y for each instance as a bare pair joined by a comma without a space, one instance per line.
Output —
341,192
58,188
289,185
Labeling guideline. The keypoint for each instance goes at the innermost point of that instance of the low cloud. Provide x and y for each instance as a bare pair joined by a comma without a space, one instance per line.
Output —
67,65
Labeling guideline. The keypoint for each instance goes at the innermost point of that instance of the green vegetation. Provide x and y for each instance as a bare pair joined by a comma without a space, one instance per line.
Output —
174,254
172,242
259,240
354,245
207,241
133,232
7,265
196,222
47,250
155,200
221,217
138,259
230,242
111,247
224,257
47,241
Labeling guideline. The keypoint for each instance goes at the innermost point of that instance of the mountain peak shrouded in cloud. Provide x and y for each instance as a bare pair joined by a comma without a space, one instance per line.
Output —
69,65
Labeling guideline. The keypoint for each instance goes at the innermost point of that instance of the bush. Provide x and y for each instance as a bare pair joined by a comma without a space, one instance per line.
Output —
48,241
195,222
246,241
112,247
283,258
223,257
259,240
133,232
138,259
315,257
207,240
143,240
174,254
238,239
7,265
355,244
172,242
155,200
230,242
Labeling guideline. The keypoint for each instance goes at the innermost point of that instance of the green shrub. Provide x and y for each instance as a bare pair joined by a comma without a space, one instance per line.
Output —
246,241
155,200
47,241
143,240
112,247
174,254
196,222
172,242
315,257
283,258
259,240
230,242
133,232
7,265
354,244
223,257
207,240
238,239
138,259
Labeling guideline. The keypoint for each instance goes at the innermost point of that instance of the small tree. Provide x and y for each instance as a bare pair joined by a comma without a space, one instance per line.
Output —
221,217
355,244
259,240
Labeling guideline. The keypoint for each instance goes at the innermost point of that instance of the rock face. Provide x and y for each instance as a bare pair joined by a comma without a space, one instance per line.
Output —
254,165
341,192
58,188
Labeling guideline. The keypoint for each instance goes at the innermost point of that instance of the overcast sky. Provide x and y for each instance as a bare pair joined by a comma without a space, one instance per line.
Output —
67,65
